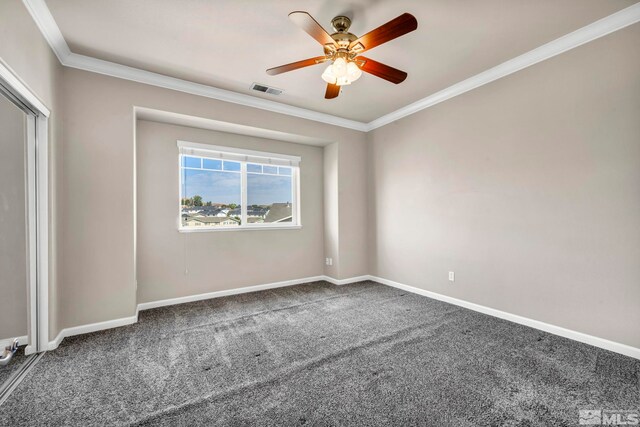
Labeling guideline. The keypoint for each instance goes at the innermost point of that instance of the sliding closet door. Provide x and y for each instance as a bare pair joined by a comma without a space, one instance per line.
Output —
13,231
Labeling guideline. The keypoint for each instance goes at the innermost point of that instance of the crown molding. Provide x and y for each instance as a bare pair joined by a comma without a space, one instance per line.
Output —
48,27
112,69
600,28
50,30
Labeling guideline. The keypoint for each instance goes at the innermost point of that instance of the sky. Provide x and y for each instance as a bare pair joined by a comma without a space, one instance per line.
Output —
224,187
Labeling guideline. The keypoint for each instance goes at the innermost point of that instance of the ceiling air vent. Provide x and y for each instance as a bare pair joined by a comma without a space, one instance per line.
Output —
266,89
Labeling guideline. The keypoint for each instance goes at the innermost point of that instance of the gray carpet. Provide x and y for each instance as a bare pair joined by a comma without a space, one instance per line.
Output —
360,354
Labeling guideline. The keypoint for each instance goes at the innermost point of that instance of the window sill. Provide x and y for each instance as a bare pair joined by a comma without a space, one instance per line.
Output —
249,228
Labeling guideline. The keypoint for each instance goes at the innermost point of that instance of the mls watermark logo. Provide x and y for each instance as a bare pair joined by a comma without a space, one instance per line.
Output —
597,417
590,417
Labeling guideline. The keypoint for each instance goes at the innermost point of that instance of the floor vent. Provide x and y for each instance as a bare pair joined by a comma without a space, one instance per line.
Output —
266,89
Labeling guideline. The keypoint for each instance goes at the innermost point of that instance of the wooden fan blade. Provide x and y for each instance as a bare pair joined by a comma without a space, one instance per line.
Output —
378,69
311,26
395,28
332,91
295,65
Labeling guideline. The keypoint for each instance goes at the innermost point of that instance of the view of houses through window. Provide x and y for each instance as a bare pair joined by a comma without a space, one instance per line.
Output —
212,192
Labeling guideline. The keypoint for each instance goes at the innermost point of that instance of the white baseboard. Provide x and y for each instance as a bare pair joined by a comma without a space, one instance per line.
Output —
99,326
552,329
8,341
345,281
91,327
226,292
536,324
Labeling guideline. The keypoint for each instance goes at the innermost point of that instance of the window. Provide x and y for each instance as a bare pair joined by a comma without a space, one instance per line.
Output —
227,188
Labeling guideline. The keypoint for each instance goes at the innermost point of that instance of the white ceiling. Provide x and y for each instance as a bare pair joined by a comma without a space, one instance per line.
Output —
230,43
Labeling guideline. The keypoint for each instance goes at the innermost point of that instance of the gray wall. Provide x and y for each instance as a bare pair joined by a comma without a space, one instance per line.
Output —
23,48
353,212
346,216
98,230
331,210
217,260
528,188
13,231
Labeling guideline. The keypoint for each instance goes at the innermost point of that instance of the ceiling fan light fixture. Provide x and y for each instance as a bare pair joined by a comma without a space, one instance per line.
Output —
343,81
340,67
353,71
341,72
344,48
328,75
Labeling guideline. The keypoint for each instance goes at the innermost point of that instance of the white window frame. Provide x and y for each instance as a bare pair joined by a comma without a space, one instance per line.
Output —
242,156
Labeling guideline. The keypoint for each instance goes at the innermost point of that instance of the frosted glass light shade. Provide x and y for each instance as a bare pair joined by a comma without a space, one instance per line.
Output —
341,72
353,71
340,67
342,81
328,75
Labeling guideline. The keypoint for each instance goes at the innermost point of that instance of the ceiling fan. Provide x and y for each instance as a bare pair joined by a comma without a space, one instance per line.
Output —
344,49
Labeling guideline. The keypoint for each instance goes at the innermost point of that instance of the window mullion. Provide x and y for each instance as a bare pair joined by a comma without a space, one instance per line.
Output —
243,192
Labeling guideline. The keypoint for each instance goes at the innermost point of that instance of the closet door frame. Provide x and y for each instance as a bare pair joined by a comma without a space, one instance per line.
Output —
37,142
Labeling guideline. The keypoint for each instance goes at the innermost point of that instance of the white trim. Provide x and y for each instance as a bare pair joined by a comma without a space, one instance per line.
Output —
42,235
38,207
56,341
51,32
32,231
600,28
226,292
546,327
341,282
247,289
47,25
92,327
111,69
243,154
49,28
237,228
8,341
11,78
536,324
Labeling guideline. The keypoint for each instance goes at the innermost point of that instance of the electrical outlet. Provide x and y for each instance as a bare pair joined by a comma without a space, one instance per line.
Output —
452,276
328,261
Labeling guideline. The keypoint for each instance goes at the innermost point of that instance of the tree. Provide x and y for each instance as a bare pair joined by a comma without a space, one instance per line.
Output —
197,200
209,203
232,206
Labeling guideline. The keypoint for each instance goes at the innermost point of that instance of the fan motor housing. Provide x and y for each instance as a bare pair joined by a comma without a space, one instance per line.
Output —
344,39
341,23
